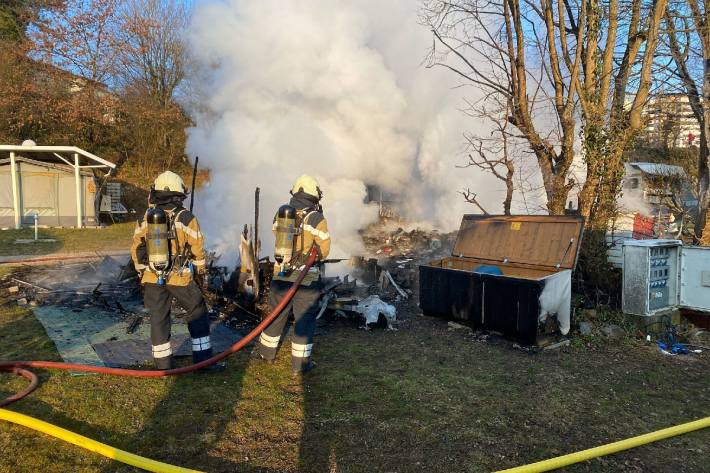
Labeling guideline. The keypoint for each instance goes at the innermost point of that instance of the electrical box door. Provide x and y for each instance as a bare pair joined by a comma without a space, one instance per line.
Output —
695,278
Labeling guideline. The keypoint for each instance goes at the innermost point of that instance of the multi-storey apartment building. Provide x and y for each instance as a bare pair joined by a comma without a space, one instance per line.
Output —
670,121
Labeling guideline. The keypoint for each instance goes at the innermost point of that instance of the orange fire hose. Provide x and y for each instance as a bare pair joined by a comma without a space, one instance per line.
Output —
19,367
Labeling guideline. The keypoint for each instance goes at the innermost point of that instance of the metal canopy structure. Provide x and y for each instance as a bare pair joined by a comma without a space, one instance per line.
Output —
78,160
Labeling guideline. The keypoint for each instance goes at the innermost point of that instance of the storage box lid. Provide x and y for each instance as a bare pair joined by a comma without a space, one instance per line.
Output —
550,241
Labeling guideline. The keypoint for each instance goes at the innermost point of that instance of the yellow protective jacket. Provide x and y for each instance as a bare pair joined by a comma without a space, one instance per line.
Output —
313,229
188,240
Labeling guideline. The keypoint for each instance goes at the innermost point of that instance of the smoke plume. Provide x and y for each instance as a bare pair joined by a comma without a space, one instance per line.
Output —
332,88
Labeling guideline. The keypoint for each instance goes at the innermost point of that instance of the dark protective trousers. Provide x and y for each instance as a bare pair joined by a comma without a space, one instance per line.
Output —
304,307
157,300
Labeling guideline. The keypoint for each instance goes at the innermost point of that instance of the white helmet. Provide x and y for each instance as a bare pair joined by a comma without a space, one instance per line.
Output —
169,181
307,184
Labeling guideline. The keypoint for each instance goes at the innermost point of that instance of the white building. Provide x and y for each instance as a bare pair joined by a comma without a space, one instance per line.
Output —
643,212
57,184
670,121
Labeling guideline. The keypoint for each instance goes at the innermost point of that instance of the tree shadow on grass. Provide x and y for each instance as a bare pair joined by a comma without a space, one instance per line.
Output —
185,427
188,425
332,394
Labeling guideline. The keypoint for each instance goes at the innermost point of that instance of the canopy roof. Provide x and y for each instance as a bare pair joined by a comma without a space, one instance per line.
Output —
659,169
75,158
62,153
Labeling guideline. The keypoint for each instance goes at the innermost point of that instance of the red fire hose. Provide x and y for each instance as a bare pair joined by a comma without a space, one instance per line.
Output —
17,367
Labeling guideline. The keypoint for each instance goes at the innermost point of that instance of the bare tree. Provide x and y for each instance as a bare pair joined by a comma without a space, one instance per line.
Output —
588,54
487,43
688,32
493,154
616,77
81,37
153,57
77,46
152,71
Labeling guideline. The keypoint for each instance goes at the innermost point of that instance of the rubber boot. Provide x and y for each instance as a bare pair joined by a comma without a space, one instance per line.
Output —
164,363
256,355
304,366
202,355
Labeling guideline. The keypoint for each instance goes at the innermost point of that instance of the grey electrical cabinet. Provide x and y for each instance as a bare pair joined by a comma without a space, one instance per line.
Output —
661,275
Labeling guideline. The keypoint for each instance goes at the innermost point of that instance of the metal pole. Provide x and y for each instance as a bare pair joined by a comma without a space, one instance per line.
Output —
380,201
194,179
36,226
15,192
256,225
77,180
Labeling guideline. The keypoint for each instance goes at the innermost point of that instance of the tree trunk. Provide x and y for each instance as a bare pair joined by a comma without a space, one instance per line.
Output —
586,195
557,203
608,188
509,188
703,233
702,223
598,198
595,158
554,180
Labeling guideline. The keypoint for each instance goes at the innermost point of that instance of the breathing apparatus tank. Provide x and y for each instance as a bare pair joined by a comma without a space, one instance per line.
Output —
158,242
286,231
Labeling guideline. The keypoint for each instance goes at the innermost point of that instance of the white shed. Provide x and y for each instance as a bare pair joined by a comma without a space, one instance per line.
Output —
56,183
642,208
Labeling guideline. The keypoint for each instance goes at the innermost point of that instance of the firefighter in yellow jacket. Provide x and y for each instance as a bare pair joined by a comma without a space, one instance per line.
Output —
184,253
311,228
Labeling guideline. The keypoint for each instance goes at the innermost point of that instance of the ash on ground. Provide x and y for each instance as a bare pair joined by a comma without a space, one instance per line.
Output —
108,283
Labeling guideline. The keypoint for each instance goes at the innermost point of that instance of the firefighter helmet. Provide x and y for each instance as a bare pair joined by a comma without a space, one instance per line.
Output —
307,184
169,181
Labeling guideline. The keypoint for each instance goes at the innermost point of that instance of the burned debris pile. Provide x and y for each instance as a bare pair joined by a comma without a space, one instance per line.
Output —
398,252
370,288
108,284
383,283
374,289
94,313
389,240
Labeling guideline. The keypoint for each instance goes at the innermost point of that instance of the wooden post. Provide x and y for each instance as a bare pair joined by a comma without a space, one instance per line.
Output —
15,191
77,179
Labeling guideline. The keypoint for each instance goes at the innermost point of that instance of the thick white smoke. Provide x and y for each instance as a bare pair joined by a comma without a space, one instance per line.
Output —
332,88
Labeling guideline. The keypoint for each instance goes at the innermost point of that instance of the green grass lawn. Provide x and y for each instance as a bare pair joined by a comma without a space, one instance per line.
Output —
420,399
113,237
